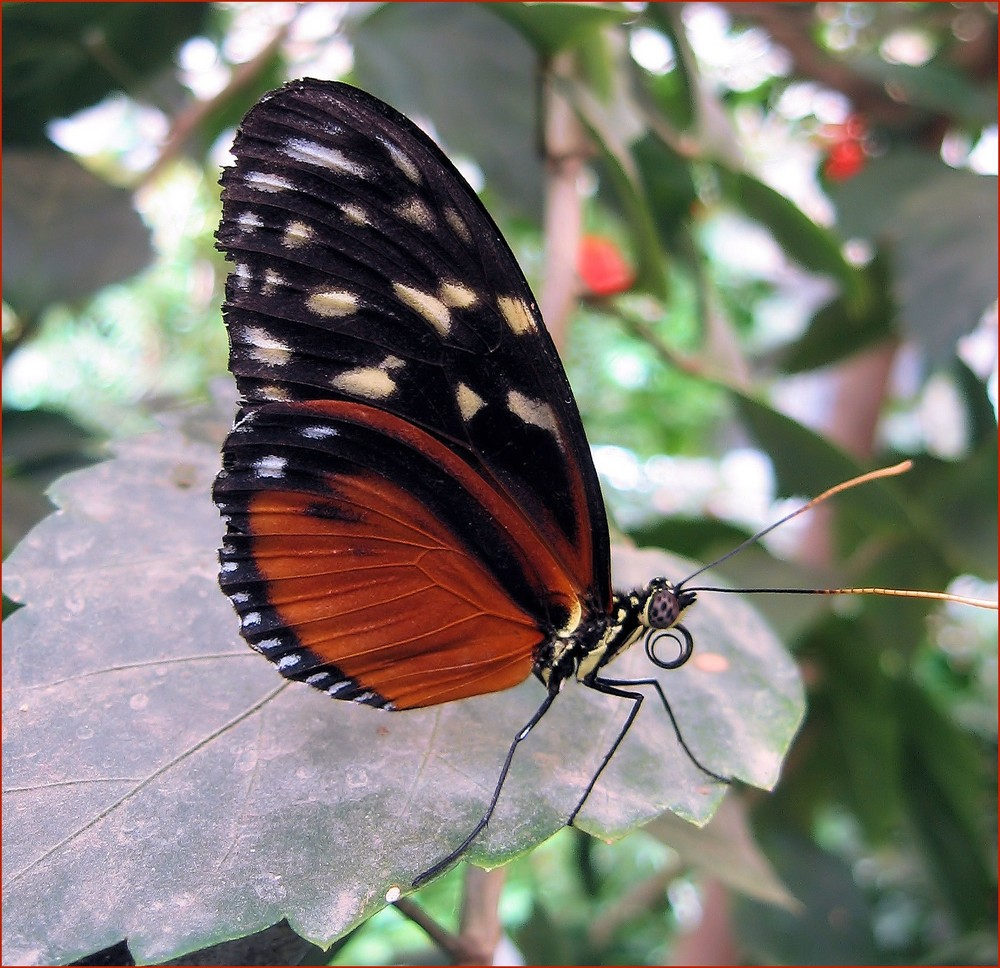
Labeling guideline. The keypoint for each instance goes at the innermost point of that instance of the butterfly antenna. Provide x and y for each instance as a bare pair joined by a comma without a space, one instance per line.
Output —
886,592
893,471
875,475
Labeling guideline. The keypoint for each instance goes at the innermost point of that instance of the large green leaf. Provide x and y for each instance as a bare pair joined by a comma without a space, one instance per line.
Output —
958,503
61,58
53,210
677,92
936,86
725,849
941,227
935,522
805,463
834,925
550,28
669,186
862,729
410,54
943,779
813,247
842,327
612,128
164,784
38,446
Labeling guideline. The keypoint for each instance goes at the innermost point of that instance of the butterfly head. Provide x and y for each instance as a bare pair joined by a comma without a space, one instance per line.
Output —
663,603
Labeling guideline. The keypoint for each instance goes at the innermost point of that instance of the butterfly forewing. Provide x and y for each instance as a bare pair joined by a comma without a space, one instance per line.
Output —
370,283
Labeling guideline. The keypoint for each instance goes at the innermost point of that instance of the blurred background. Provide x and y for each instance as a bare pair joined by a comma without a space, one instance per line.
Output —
764,237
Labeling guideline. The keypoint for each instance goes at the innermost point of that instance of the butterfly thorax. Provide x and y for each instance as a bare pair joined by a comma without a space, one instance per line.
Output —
599,640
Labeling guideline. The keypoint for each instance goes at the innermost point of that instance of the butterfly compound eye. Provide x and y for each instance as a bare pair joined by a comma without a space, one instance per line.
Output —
664,604
662,609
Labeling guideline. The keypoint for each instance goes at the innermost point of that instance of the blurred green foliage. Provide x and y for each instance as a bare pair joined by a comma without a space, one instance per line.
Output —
712,128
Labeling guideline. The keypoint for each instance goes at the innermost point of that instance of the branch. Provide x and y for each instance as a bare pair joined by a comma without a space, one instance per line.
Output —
690,365
188,120
480,930
479,935
566,150
791,27
443,938
646,896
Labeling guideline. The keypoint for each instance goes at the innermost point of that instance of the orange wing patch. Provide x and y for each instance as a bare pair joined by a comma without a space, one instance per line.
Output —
374,584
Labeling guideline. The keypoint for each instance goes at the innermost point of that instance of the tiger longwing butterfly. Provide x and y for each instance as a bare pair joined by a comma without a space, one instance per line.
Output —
413,514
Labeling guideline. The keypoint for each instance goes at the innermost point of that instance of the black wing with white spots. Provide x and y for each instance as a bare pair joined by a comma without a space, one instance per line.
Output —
366,270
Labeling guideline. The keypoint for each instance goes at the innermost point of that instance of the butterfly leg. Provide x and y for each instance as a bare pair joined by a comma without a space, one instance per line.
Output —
446,862
611,687
655,683
608,687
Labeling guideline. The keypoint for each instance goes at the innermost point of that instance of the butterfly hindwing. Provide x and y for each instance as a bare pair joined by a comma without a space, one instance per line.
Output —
368,272
347,561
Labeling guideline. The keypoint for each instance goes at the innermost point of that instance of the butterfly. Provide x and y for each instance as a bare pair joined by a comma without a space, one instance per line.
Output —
413,514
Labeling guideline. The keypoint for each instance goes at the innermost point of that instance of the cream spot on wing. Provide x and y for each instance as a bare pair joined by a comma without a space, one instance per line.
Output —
266,182
270,466
534,412
333,303
469,402
414,210
428,306
354,213
249,220
366,381
457,296
265,348
402,161
517,314
318,432
272,280
457,224
270,391
313,153
296,234
242,275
